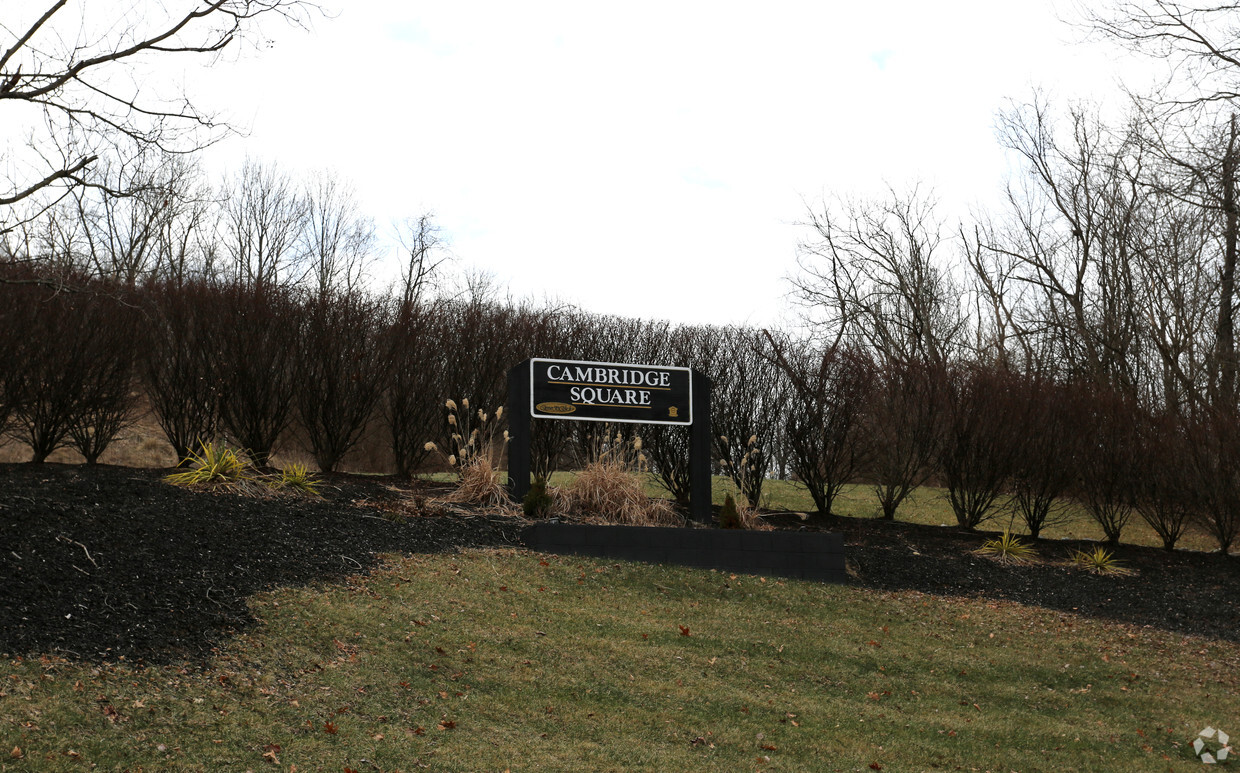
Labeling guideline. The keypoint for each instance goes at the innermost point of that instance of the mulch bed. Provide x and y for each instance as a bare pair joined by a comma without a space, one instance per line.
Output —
1182,591
109,562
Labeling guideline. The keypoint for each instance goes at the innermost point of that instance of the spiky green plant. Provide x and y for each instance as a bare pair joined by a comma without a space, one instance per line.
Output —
1009,549
213,464
1099,561
296,478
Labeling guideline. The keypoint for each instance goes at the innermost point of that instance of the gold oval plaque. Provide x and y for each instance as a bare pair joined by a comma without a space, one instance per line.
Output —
558,408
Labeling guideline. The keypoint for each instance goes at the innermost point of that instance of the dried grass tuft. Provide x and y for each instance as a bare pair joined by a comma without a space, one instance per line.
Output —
751,518
481,483
609,492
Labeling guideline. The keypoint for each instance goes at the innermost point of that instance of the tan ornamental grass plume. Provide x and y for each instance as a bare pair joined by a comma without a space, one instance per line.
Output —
475,453
481,483
610,488
609,493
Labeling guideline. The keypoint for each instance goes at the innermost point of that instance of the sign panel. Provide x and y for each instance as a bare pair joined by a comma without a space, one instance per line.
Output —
609,391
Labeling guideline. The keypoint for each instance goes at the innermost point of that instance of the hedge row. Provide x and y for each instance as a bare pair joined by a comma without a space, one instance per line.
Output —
278,368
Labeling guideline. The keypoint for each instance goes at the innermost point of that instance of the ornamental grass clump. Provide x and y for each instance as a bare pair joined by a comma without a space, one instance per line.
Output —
475,453
747,470
610,488
215,465
734,515
1008,549
1099,561
296,479
729,518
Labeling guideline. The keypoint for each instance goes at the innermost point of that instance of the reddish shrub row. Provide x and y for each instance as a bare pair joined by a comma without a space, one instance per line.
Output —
335,372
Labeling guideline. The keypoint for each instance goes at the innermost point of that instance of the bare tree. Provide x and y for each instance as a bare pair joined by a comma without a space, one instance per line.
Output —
423,257
86,74
874,273
1073,239
337,243
263,214
126,237
1200,42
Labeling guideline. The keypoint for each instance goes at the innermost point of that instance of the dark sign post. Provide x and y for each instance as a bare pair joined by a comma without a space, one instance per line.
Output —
604,391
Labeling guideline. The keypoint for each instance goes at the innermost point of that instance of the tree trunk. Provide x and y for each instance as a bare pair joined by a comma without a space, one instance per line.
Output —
1225,338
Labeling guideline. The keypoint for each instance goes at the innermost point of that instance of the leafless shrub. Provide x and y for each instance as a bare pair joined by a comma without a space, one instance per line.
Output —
339,371
179,367
1050,417
18,301
979,441
825,428
253,342
416,362
666,446
747,405
76,362
1108,463
1165,494
904,423
1215,454
105,406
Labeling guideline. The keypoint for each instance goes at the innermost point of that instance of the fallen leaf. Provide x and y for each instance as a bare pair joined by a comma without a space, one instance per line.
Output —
875,766
770,747
684,630
16,753
447,724
329,728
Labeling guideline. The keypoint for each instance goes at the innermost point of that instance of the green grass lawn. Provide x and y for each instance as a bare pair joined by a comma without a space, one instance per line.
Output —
927,505
510,660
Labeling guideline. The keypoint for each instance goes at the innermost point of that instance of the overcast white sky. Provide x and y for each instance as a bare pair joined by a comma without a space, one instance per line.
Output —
649,159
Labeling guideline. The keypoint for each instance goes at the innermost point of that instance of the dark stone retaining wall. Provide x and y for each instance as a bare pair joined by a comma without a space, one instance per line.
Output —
800,554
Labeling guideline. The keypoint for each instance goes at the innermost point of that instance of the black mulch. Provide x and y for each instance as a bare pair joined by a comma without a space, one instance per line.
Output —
1183,591
100,563
108,562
